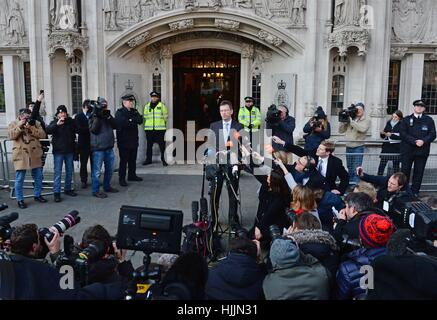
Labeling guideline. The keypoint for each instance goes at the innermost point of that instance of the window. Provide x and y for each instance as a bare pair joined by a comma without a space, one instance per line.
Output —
256,90
429,88
27,83
2,90
393,86
157,83
339,68
76,84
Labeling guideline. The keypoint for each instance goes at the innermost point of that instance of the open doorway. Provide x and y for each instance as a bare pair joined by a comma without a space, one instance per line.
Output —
203,78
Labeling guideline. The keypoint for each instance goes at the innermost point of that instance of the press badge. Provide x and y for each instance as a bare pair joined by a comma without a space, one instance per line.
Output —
386,206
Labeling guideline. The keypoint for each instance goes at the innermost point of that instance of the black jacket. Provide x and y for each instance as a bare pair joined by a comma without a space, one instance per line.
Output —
127,128
388,147
82,124
217,128
63,137
238,277
102,132
284,130
413,129
35,280
334,170
383,194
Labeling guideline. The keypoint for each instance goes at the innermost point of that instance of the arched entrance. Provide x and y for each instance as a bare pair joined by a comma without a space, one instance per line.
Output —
202,78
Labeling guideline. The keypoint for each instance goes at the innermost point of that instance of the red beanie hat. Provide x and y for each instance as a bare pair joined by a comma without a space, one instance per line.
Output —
375,230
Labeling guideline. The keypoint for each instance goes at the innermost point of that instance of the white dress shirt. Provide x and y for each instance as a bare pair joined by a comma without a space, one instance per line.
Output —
322,166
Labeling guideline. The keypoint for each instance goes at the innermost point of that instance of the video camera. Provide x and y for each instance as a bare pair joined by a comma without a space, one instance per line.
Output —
5,226
273,115
350,113
415,215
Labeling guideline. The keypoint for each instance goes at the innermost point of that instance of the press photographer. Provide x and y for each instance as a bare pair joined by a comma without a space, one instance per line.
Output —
316,130
24,277
282,125
354,125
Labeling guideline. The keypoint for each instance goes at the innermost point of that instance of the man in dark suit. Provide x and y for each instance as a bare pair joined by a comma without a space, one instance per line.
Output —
84,140
222,141
327,165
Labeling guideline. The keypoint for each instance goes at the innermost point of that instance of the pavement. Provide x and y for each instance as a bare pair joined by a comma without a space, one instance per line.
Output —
173,187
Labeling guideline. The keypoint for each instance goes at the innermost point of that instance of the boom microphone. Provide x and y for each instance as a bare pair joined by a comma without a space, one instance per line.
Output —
195,210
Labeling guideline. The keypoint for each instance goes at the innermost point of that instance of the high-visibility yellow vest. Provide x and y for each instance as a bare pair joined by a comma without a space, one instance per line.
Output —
252,117
155,119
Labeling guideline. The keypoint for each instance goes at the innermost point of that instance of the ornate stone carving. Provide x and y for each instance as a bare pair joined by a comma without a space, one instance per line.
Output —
68,41
269,38
348,12
24,55
398,53
216,4
63,15
350,38
432,56
182,25
298,12
260,57
12,26
243,4
138,40
378,111
247,51
189,4
414,21
111,10
226,24
166,51
151,56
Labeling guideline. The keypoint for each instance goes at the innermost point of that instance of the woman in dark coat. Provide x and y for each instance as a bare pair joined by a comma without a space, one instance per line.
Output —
391,144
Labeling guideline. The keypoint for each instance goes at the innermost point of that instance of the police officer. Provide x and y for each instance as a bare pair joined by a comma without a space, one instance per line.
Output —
128,119
250,117
155,125
417,132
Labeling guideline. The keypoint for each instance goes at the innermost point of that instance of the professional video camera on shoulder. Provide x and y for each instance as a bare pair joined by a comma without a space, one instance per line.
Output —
347,114
273,115
5,227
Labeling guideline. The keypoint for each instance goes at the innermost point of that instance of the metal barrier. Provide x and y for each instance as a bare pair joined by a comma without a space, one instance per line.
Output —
9,171
372,163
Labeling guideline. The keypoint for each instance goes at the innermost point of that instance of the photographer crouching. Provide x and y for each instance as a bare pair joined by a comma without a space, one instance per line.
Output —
282,126
28,278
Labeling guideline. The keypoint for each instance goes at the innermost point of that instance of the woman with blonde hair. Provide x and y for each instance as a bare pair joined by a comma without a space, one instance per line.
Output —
304,200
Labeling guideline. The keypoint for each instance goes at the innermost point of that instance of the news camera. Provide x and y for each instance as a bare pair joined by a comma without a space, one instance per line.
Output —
350,113
415,215
5,226
273,115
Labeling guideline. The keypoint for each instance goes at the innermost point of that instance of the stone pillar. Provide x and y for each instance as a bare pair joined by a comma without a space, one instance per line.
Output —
245,78
167,81
411,81
14,86
378,66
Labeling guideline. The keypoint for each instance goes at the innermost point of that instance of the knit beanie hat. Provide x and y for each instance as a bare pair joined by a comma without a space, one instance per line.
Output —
320,114
283,253
60,109
375,230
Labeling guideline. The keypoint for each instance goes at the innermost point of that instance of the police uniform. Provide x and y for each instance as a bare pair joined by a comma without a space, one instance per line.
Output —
128,140
155,125
415,128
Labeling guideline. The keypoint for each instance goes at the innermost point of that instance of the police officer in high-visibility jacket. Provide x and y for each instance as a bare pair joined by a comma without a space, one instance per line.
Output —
155,125
250,117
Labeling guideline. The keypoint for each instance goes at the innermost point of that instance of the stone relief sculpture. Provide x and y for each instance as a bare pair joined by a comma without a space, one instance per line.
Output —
63,14
182,25
243,3
111,10
269,38
298,10
414,21
15,24
164,5
347,12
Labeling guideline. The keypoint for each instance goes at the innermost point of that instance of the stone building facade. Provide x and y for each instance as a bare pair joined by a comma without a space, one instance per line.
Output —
303,53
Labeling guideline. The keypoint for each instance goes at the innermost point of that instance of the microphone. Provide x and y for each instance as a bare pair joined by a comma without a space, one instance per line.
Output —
9,218
195,210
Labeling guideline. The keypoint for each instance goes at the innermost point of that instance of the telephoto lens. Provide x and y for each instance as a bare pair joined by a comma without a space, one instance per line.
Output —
94,252
70,220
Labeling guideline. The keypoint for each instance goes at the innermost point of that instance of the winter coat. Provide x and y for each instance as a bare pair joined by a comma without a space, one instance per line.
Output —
321,245
27,150
413,129
283,129
238,277
84,131
102,133
349,276
304,278
313,139
109,271
387,146
63,137
324,208
127,128
355,132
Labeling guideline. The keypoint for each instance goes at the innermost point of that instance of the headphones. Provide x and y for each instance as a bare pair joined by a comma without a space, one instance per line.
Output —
309,165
